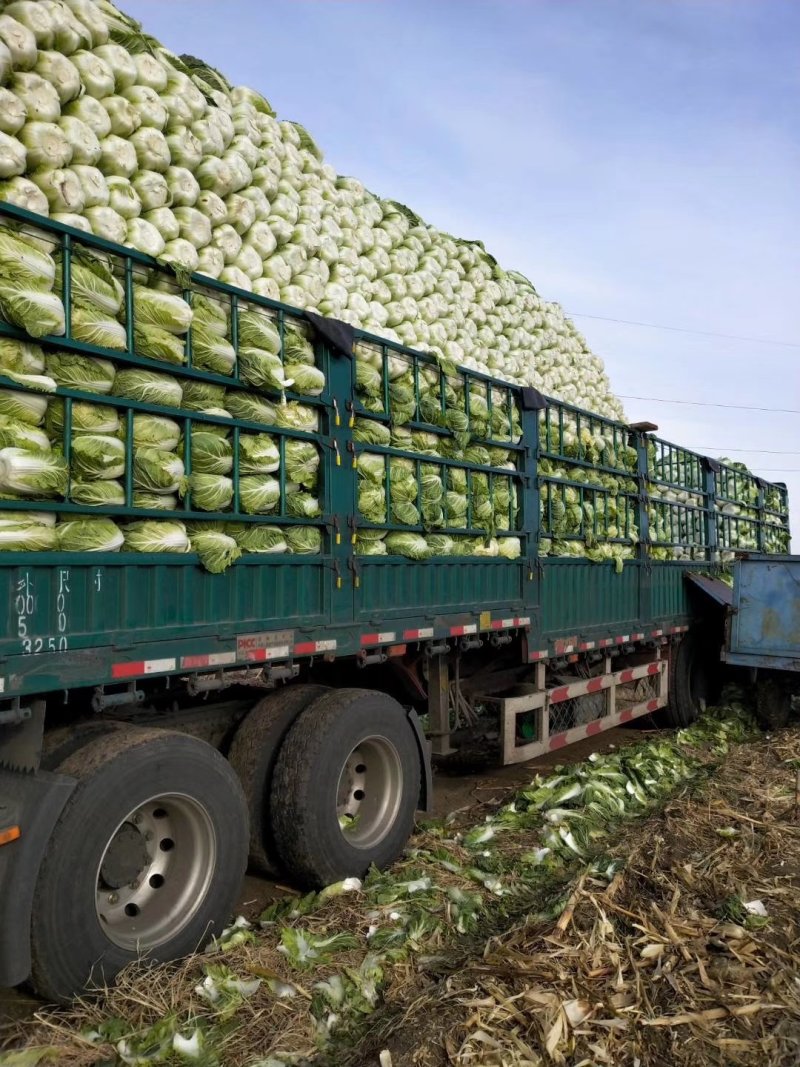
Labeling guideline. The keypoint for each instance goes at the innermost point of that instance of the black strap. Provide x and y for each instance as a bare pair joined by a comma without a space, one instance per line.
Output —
533,400
339,335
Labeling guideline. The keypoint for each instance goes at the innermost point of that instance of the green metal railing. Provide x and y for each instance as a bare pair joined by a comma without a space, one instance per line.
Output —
652,498
130,266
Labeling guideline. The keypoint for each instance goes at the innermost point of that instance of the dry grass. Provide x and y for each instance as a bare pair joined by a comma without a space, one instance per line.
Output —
656,968
661,966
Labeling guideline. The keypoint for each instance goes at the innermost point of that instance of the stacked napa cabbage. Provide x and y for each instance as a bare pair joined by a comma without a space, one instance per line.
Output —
471,426
103,128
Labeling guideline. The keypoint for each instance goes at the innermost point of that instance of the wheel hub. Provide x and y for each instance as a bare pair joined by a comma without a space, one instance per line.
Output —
125,857
155,872
370,792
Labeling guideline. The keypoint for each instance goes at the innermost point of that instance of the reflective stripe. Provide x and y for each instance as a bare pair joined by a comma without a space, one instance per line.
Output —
213,659
418,635
147,666
310,648
260,655
378,639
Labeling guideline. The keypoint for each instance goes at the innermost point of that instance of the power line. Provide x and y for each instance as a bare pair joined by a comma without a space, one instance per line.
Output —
723,451
704,404
684,329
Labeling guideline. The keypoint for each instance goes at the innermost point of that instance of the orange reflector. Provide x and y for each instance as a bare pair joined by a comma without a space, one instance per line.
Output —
10,834
396,650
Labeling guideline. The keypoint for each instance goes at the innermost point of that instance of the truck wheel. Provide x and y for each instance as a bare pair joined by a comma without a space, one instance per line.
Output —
252,755
694,678
773,702
146,859
345,787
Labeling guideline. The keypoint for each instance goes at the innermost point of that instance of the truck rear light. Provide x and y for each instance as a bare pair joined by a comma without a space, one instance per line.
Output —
11,833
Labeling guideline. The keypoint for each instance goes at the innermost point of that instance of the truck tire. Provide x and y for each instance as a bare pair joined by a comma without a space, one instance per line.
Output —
252,755
693,678
773,701
345,787
64,741
146,859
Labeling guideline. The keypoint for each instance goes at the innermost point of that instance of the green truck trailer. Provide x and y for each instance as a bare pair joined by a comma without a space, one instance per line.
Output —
162,725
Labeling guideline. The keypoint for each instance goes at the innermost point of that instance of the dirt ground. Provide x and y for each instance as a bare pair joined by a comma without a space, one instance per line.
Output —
455,789
689,956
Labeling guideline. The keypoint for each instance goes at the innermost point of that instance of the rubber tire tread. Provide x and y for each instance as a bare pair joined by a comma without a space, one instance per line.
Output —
253,754
773,702
681,710
69,949
312,848
64,741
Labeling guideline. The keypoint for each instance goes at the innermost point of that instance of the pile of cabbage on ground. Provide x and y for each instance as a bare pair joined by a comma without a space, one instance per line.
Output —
105,130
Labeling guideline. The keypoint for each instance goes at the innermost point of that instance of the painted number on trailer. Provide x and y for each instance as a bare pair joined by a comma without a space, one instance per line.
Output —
24,606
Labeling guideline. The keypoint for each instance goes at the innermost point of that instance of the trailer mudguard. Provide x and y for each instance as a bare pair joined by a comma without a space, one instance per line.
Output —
32,801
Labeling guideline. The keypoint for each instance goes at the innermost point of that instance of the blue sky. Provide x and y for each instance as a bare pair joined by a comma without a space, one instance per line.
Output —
637,160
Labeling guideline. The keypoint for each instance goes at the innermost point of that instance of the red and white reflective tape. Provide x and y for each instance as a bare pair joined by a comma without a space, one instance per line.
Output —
678,629
630,674
142,666
385,638
509,624
312,648
597,726
585,646
601,682
533,656
460,631
657,633
262,655
623,640
418,635
604,642
637,637
213,659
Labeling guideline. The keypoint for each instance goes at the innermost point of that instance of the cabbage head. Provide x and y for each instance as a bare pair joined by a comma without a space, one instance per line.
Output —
302,462
97,493
211,454
412,545
305,540
259,494
261,539
148,386
89,535
216,548
37,475
156,535
99,456
211,492
259,454
158,471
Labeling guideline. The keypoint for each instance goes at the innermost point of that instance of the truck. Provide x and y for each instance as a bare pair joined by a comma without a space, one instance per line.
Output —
761,613
162,727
